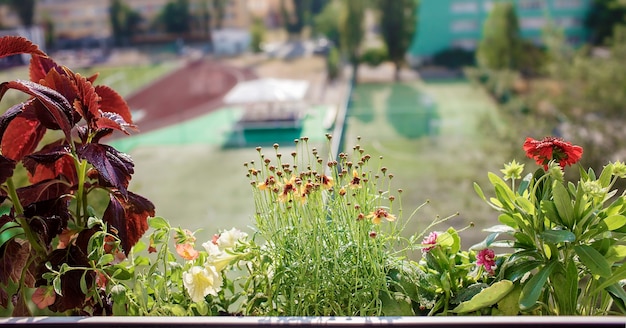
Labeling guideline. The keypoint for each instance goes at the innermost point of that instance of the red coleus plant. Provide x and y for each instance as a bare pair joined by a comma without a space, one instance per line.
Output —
62,174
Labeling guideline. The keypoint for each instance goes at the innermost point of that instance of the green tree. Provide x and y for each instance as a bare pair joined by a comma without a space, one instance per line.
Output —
175,17
501,43
326,22
124,21
601,18
295,19
220,12
257,33
351,30
398,23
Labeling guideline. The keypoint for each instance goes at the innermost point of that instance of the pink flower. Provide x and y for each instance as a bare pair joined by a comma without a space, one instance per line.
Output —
486,258
430,240
187,251
43,297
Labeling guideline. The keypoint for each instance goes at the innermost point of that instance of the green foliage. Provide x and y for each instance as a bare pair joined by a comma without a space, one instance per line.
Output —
326,22
564,235
257,33
602,18
333,63
124,21
501,43
454,58
175,17
398,23
374,56
351,20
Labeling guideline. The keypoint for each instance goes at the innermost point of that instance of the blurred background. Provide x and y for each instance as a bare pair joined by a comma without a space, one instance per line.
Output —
443,90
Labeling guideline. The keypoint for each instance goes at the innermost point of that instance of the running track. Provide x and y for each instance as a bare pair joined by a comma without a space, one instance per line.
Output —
195,89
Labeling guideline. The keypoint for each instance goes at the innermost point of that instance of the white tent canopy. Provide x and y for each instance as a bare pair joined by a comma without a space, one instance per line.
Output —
267,90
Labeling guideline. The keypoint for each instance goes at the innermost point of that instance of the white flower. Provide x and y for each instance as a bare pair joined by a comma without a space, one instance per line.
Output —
202,281
229,238
218,258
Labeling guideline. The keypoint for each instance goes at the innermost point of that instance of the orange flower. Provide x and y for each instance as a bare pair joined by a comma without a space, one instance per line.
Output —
380,213
186,251
288,188
270,181
550,148
326,182
356,181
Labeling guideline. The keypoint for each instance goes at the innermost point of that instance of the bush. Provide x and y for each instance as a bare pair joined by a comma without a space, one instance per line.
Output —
374,56
333,64
454,58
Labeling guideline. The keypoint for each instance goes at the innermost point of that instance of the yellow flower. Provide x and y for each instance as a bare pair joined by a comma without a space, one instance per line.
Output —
513,170
380,213
326,182
201,281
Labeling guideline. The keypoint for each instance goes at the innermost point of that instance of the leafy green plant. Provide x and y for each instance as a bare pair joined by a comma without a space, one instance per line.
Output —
567,238
331,239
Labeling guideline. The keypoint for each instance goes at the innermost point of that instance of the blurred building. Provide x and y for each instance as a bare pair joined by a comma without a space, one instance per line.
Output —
446,24
89,19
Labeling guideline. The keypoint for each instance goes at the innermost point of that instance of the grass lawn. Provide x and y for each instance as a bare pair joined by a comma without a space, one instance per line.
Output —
438,138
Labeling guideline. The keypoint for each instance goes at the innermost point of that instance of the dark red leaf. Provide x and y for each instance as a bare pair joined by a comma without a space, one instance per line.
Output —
4,299
14,45
129,216
13,260
51,161
10,115
114,167
87,103
73,298
48,218
43,191
56,104
112,102
7,166
113,121
40,67
22,136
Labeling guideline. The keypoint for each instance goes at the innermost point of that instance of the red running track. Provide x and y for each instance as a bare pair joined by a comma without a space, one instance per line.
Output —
195,89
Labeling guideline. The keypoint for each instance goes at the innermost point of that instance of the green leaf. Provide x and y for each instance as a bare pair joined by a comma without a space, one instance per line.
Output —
557,236
534,286
525,205
524,183
616,253
479,192
517,270
105,259
83,283
487,297
56,283
593,260
395,304
509,304
618,274
158,222
508,220
566,287
456,244
549,210
614,222
8,233
563,204
605,176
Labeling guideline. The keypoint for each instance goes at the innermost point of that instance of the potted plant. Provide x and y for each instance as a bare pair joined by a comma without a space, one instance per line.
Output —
326,245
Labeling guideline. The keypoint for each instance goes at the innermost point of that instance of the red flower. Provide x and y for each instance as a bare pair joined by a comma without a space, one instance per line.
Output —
486,258
550,148
431,239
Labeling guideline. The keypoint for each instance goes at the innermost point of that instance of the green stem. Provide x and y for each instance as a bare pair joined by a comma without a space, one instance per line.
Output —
19,217
81,198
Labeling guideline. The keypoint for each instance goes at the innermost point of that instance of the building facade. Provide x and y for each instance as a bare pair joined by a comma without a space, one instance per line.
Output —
445,24
78,19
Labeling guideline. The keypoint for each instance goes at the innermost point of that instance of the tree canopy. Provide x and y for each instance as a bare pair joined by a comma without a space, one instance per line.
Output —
352,32
398,23
501,43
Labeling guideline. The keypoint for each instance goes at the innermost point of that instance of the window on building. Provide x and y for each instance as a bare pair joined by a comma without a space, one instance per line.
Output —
567,4
466,44
464,25
530,4
532,23
487,5
464,7
568,22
